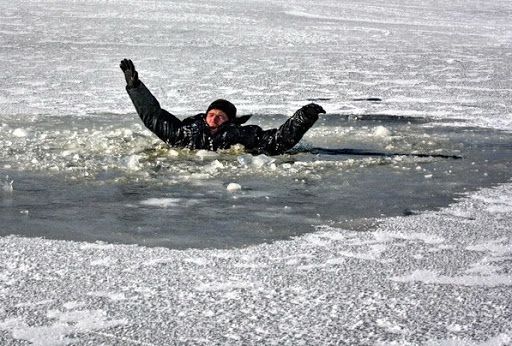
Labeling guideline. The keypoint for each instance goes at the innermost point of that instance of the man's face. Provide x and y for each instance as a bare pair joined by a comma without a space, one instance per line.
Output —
215,118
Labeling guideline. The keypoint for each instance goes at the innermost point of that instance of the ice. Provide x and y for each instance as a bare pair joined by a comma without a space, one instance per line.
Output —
381,131
54,335
482,269
497,247
158,261
430,277
206,154
173,153
502,204
315,248
162,202
232,187
502,339
262,160
103,262
198,261
132,162
424,237
225,286
115,296
370,256
73,305
258,161
20,133
42,302
215,165
6,185
67,323
389,326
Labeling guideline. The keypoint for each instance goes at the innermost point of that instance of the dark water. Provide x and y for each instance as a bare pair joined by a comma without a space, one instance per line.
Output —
159,204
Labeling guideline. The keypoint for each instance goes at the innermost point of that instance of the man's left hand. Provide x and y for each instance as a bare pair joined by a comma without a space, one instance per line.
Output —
130,74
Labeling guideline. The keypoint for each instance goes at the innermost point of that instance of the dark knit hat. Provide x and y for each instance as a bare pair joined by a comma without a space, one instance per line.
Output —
225,106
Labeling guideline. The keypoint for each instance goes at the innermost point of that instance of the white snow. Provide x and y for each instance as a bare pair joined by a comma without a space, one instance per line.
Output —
439,278
496,247
66,323
225,286
110,295
432,277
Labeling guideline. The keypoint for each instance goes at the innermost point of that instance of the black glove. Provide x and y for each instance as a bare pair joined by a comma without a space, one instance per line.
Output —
130,74
312,109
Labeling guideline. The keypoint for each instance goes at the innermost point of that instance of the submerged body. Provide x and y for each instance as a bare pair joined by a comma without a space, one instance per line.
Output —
218,128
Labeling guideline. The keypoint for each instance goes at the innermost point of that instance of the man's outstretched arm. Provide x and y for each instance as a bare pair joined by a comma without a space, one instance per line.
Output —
162,123
277,141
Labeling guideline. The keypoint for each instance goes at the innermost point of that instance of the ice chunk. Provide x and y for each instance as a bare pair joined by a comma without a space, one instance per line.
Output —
381,131
6,185
132,162
256,161
206,153
67,152
232,187
245,160
173,153
262,160
162,202
20,133
216,165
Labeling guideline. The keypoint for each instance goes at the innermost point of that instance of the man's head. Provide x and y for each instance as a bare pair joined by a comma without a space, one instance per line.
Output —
220,112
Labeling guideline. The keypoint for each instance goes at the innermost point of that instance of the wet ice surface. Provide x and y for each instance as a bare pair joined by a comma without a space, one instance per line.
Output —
103,181
80,167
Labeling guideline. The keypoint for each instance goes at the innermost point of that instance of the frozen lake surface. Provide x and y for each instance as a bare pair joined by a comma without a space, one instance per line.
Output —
363,247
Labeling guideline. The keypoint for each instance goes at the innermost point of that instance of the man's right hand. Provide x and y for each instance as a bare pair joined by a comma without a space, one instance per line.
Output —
130,74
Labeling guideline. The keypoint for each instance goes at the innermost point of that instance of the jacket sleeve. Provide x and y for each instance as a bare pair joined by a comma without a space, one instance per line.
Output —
162,123
277,141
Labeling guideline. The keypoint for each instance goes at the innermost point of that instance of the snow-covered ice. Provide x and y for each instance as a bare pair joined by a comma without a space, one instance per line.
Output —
314,249
331,286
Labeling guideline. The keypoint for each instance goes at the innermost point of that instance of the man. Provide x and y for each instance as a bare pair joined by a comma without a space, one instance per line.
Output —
219,127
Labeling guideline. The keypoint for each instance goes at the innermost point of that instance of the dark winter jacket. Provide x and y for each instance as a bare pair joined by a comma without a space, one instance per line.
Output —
194,133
